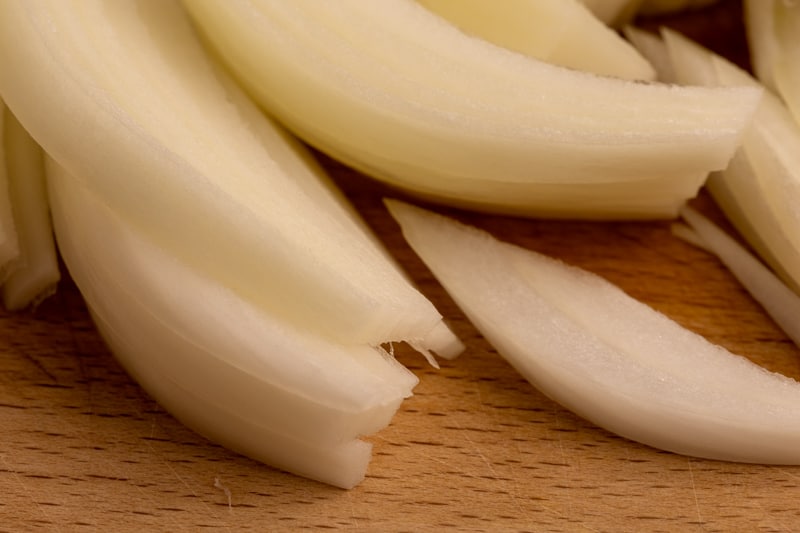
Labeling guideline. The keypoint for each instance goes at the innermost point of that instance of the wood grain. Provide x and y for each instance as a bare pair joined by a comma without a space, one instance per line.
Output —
83,448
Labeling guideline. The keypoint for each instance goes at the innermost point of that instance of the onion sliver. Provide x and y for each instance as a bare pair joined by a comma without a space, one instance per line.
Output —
607,357
200,349
780,302
393,90
760,189
123,95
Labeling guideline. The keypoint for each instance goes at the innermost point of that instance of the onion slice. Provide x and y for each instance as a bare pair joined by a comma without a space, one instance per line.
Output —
780,302
759,190
123,95
245,378
393,90
609,358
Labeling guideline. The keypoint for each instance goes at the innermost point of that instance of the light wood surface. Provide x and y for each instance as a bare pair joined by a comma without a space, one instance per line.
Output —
83,448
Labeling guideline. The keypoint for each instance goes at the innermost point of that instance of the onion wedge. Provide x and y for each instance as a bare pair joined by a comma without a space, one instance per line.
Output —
393,90
240,376
123,95
780,302
607,357
760,189
223,268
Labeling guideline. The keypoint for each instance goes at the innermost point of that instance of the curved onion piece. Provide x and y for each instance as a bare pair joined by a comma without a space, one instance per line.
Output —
737,190
759,190
123,95
232,372
562,32
397,92
609,358
780,302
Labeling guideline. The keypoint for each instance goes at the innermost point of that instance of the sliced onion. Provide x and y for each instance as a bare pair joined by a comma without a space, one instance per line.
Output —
232,372
760,189
125,98
780,302
393,90
609,358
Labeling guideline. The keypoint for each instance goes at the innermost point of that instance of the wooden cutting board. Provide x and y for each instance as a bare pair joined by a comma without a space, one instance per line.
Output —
83,448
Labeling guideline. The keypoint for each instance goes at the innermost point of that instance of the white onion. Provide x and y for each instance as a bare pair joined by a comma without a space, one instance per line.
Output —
760,188
780,302
393,90
232,372
125,98
223,268
609,358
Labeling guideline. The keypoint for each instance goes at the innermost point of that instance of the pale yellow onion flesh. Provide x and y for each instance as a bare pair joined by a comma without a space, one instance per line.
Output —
232,372
123,95
562,32
780,302
468,123
609,358
36,273
737,190
756,191
9,244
